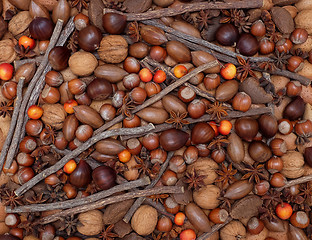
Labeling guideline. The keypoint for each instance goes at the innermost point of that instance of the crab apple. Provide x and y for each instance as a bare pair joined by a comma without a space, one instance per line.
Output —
26,42
145,75
284,210
68,106
70,166
179,218
179,71
188,234
159,76
34,112
225,127
228,71
6,71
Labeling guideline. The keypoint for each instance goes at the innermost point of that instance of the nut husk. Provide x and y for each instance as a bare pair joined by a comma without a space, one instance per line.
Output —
235,148
153,35
82,63
7,52
116,211
144,220
27,71
227,90
283,20
110,72
201,57
19,23
207,196
246,207
88,115
233,231
113,49
91,222
54,115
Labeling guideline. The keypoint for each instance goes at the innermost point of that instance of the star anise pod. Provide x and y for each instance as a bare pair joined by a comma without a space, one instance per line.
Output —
47,135
9,198
126,107
191,17
143,166
30,227
134,31
56,193
217,110
238,18
267,66
299,52
37,198
6,108
80,4
203,19
306,192
120,167
218,143
194,180
225,203
41,151
272,198
69,224
226,175
39,165
177,119
254,173
280,59
158,197
107,233
23,52
267,213
244,69
73,42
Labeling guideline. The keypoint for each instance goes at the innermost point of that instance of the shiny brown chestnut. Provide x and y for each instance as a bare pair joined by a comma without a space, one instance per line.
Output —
52,180
241,102
246,128
196,108
107,112
278,146
99,89
218,215
81,21
41,28
33,127
164,224
48,232
60,142
169,178
218,155
294,109
150,141
171,205
54,78
138,50
299,219
293,88
131,65
266,46
114,23
131,122
202,132
76,86
84,132
134,146
186,94
70,191
247,44
152,88
299,36
227,34
18,233
278,180
117,99
212,81
177,164
89,38
81,176
259,151
295,63
24,159
304,127
261,188
274,164
268,125
138,95
50,95
158,155
13,168
28,144
158,53
285,126
258,29
190,154
25,174
83,99
308,156
58,57
104,177
9,90
284,45
173,139
255,225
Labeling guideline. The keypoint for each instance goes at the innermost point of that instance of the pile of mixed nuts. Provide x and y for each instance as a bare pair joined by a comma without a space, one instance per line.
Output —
155,119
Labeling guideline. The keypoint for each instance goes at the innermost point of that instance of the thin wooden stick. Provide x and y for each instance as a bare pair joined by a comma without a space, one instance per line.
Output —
18,103
28,93
139,201
215,228
190,7
110,200
290,183
81,201
36,60
77,151
160,208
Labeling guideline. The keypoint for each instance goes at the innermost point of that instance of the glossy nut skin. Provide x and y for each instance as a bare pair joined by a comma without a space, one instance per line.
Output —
197,217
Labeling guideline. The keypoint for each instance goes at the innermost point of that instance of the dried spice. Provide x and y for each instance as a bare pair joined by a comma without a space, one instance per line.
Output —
226,175
177,119
217,110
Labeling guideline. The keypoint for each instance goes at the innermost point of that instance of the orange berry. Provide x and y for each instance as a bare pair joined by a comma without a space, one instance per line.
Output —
179,71
225,127
70,166
34,112
26,42
145,75
228,71
68,106
159,76
284,210
179,218
188,234
124,156
6,71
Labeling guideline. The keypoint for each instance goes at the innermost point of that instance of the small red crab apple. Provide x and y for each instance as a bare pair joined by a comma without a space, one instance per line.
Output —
145,75
34,112
159,76
228,71
188,234
225,127
26,42
6,71
179,218
284,210
68,106
179,71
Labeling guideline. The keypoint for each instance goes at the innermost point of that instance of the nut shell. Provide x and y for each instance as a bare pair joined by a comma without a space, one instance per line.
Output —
113,49
144,220
82,63
54,115
88,115
91,222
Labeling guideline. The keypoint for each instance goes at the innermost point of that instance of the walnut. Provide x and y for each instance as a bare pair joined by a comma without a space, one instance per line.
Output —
144,220
7,52
82,63
91,222
205,167
54,115
207,197
293,162
113,49
19,23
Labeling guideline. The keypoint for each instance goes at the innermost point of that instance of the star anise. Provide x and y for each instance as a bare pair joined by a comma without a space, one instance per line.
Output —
107,233
306,192
41,151
254,173
69,224
30,227
55,193
218,143
267,66
280,59
244,69
134,31
226,175
177,119
217,110
120,167
267,213
143,166
158,197
126,107
203,19
92,188
297,201
37,198
6,108
47,135
299,52
80,4
114,4
272,198
73,42
23,52
9,198
225,203
191,17
39,165
194,180
238,18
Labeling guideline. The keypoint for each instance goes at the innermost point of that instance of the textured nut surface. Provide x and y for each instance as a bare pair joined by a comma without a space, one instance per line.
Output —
144,220
113,49
19,23
82,63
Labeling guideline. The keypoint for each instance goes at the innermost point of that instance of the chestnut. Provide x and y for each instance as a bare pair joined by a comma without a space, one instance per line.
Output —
308,156
158,53
278,180
275,164
41,28
134,146
227,34
58,57
295,63
261,188
52,180
285,126
218,215
28,144
304,128
164,224
266,46
158,155
81,21
258,29
50,95
24,159
218,155
177,164
70,191
33,127
196,108
202,132
293,88
212,81
247,44
89,38
284,45
241,102
173,139
131,65
190,154
54,79
60,141
9,90
299,36
138,50
186,94
81,176
255,225
25,174
107,112
171,205
294,109
99,89
150,141
138,95
76,86
259,151
169,178
246,128
268,125
114,23
83,99
152,88
104,177
84,132
13,168
300,219
278,146
131,122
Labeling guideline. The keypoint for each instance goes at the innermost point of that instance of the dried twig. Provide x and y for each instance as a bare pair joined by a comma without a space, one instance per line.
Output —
290,183
36,60
215,228
139,201
18,103
77,151
110,200
80,201
190,7
28,93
